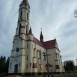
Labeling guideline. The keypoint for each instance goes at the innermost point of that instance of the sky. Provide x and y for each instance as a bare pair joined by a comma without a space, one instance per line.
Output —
55,17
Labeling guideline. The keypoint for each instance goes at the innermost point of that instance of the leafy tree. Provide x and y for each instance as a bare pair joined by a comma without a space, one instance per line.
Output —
7,65
4,63
69,66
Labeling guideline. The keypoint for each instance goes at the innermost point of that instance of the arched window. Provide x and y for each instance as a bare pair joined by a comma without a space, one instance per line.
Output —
27,57
44,56
27,16
21,15
10,65
17,49
27,66
27,29
19,29
40,55
19,64
27,46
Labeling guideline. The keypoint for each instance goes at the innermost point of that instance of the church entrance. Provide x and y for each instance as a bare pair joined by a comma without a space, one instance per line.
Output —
16,68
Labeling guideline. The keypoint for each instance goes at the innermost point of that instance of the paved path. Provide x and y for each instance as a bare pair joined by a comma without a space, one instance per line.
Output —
13,76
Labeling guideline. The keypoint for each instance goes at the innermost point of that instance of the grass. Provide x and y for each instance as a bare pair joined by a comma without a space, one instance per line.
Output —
69,75
64,75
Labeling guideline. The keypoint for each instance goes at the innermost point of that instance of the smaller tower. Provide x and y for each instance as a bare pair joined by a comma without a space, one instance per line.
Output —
41,36
30,31
30,35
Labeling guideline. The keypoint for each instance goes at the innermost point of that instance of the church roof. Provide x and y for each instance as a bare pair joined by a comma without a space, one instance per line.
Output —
47,45
38,42
50,44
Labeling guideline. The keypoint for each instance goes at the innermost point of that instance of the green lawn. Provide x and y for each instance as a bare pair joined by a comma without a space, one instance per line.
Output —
65,75
72,75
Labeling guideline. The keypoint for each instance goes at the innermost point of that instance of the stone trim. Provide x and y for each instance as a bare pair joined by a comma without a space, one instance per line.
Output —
23,20
17,56
19,48
24,8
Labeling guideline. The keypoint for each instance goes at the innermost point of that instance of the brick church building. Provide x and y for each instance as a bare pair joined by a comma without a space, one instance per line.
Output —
30,55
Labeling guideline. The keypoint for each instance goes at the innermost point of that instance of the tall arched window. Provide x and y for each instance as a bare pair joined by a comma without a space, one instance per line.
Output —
27,57
44,56
27,16
21,15
19,29
17,49
40,55
27,29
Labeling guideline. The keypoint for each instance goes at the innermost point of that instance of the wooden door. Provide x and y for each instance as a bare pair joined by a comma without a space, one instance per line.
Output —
16,68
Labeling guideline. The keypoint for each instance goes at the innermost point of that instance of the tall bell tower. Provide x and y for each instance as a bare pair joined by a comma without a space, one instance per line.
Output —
17,63
24,13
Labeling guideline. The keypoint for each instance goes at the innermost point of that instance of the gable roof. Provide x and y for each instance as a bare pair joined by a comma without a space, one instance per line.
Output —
47,45
50,44
38,42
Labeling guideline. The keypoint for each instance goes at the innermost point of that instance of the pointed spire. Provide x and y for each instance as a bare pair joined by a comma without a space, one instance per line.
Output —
25,1
30,31
41,36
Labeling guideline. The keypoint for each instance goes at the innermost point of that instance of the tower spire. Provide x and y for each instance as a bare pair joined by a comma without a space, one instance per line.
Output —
30,31
25,1
41,36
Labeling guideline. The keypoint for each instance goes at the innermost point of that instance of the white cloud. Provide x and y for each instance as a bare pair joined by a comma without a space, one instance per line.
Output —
56,17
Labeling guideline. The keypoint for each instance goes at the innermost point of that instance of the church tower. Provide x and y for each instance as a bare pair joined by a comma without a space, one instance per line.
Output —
18,57
24,13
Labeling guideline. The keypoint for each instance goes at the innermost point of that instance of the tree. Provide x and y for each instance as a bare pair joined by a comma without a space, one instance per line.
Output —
7,65
4,63
69,66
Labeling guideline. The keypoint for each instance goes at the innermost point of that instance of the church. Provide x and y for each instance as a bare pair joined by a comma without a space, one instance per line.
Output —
30,55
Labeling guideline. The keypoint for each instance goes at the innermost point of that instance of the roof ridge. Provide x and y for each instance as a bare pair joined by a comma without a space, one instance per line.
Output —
49,40
47,45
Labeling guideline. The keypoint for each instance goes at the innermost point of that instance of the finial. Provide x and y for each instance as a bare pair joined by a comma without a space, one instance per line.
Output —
41,29
25,1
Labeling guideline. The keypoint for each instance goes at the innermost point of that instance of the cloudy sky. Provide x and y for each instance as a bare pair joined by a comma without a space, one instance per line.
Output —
55,17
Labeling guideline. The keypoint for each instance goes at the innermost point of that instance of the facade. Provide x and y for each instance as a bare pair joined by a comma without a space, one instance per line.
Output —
28,54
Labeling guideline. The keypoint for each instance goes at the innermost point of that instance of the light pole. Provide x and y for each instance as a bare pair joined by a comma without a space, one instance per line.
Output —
47,62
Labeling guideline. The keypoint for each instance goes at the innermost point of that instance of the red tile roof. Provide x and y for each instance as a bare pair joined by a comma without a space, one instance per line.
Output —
38,42
47,45
50,44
